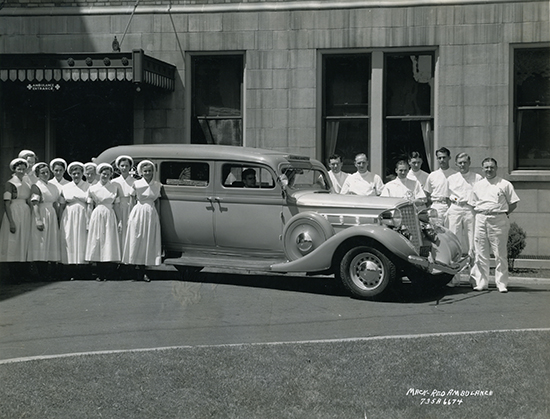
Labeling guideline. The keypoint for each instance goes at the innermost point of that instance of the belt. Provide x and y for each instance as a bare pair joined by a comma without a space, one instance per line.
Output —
442,200
491,212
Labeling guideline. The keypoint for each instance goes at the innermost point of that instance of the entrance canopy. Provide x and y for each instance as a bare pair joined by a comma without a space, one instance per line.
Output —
134,67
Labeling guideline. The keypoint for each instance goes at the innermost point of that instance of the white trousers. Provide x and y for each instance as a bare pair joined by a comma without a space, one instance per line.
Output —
491,234
461,222
441,211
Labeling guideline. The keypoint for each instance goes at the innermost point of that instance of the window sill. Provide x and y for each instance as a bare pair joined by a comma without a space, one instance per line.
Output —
529,176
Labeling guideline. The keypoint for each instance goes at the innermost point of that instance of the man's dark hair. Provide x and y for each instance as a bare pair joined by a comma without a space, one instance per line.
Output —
443,150
247,172
335,157
405,162
486,159
415,155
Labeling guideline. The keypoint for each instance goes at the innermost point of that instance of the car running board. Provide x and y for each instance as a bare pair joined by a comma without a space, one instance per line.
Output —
232,262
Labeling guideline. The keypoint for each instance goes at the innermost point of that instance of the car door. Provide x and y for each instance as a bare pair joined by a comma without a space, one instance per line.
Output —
186,213
248,217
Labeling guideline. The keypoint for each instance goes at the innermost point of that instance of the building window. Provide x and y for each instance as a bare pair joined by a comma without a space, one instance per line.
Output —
532,108
346,80
217,92
408,108
379,103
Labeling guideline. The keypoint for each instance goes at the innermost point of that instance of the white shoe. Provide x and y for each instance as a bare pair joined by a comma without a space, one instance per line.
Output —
503,289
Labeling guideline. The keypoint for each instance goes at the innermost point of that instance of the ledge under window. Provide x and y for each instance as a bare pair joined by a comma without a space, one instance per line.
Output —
529,176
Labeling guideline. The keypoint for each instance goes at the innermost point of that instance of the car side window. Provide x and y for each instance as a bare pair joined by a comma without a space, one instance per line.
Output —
185,173
246,176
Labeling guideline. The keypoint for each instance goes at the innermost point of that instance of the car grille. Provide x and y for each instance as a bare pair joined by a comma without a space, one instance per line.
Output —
410,221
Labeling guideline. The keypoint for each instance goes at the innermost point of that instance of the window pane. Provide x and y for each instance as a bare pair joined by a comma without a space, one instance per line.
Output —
219,131
533,142
305,178
217,83
232,176
346,89
347,138
532,72
404,137
185,173
409,81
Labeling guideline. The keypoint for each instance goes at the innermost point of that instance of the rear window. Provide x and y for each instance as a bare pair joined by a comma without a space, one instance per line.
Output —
185,173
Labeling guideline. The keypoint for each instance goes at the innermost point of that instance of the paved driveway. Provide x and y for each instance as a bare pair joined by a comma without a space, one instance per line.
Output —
44,319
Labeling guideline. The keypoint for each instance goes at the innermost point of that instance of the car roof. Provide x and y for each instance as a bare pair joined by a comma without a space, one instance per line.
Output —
197,151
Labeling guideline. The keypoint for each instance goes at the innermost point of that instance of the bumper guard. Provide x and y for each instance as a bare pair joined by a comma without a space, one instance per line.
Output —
438,267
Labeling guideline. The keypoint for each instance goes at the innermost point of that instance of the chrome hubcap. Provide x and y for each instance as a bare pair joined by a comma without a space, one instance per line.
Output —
367,271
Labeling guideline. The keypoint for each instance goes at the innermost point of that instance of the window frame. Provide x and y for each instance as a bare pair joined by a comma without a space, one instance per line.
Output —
190,94
260,171
377,117
525,174
197,186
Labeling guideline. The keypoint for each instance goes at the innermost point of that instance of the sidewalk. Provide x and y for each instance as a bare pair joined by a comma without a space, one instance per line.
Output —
464,280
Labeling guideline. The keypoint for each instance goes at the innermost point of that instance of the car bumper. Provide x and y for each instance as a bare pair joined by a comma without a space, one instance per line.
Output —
435,268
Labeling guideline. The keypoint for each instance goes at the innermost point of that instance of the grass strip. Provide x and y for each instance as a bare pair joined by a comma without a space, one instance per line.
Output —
490,375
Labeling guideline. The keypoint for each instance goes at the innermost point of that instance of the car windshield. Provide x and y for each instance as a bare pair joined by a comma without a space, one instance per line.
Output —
298,178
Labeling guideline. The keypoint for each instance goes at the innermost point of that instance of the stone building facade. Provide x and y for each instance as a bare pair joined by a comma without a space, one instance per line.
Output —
384,77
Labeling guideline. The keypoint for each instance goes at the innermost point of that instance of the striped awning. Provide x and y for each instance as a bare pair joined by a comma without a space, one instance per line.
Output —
134,67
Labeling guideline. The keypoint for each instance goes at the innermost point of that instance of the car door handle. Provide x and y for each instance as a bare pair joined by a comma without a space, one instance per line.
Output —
211,201
218,200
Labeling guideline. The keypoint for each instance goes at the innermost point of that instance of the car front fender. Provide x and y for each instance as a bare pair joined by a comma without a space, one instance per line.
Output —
321,258
445,254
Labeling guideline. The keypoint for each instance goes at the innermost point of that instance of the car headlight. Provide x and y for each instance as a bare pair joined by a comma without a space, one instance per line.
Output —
428,215
391,218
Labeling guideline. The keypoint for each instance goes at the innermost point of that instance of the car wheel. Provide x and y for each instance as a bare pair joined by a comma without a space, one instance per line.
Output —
304,233
366,272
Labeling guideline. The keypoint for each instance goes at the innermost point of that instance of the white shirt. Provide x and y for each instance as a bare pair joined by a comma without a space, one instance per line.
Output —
436,184
367,184
337,179
493,195
421,176
461,185
403,188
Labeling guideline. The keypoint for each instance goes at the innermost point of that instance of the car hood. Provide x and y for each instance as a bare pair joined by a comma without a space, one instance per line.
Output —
321,199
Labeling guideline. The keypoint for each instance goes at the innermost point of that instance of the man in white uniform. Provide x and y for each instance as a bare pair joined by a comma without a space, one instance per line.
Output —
403,187
362,182
460,215
416,173
493,199
437,187
337,177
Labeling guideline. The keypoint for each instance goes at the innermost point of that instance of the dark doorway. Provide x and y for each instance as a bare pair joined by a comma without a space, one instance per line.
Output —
90,118
74,121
